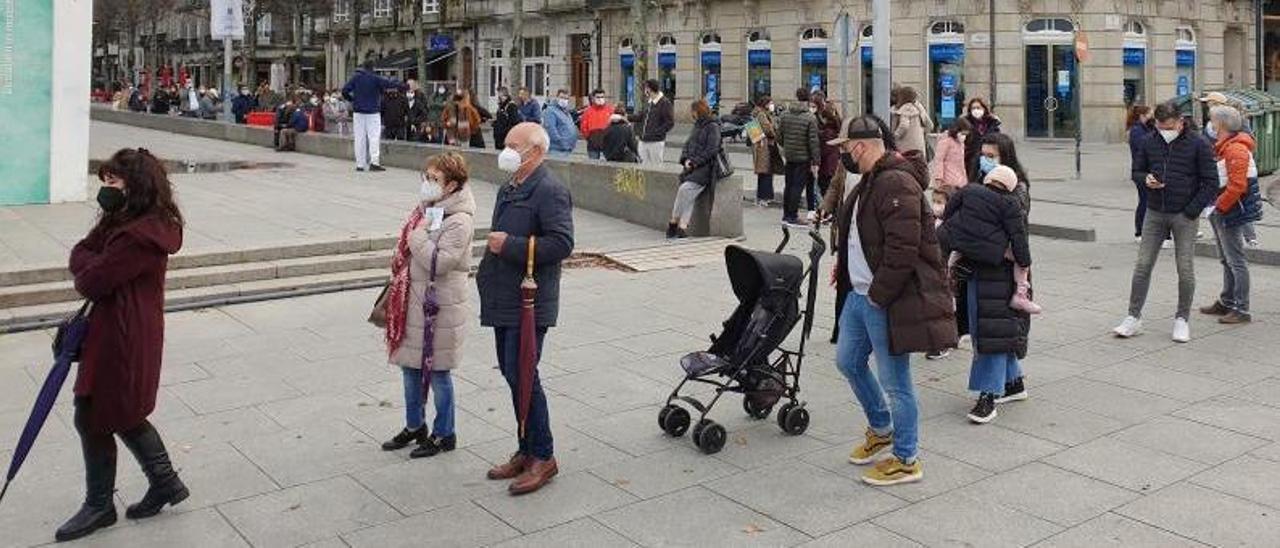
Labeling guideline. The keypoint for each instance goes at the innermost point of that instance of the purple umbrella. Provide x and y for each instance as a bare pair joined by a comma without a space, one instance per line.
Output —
66,349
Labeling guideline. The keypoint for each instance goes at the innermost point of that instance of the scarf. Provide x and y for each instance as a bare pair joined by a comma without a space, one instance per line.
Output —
398,293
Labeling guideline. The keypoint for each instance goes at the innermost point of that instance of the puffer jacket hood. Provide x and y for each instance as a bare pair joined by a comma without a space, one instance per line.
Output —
154,230
914,163
1238,137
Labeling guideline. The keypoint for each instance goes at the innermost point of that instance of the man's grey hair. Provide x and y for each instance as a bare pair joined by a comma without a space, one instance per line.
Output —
1228,118
540,139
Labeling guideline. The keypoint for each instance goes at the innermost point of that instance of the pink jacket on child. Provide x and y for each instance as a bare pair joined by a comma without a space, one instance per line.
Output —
948,163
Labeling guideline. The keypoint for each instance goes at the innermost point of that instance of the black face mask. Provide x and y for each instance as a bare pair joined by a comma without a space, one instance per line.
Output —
111,199
849,163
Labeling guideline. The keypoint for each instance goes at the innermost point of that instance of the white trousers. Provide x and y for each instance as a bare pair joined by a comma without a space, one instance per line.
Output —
651,153
368,139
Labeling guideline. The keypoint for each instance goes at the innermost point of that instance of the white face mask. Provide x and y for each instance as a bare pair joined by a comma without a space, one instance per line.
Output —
1169,135
509,160
431,191
978,113
773,107
564,103
440,91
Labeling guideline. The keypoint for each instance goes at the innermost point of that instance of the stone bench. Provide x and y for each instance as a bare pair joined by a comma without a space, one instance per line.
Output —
641,195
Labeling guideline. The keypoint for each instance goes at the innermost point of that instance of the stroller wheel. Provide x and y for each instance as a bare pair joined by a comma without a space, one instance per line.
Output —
754,409
673,420
793,419
709,436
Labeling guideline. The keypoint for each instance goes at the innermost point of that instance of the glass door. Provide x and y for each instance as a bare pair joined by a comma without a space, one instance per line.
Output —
1037,104
1052,106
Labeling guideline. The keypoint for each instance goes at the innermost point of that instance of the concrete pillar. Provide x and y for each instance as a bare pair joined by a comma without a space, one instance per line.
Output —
47,148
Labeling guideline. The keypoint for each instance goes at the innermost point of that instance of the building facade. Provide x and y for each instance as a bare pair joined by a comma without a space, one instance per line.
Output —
1141,51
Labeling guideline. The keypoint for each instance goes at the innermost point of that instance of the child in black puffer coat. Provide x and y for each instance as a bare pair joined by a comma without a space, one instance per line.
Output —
986,224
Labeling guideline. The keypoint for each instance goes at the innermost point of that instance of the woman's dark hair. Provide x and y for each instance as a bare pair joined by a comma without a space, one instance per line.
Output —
907,94
1136,112
700,109
146,187
763,101
1167,111
1008,153
957,126
652,85
969,106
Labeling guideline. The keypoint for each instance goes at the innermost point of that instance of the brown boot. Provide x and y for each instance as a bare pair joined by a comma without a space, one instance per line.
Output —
538,473
1233,317
511,469
1215,309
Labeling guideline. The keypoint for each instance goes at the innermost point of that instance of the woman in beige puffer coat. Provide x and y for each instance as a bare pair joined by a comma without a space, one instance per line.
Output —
911,121
444,194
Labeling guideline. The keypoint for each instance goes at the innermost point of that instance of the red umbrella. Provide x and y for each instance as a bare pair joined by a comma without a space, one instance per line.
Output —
528,340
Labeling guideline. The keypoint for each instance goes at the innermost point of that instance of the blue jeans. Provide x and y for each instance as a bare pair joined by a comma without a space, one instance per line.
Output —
864,329
414,400
537,441
989,372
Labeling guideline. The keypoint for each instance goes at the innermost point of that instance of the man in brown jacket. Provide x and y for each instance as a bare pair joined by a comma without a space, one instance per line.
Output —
890,262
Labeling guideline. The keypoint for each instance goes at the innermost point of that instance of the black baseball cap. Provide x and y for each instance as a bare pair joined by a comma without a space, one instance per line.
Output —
858,127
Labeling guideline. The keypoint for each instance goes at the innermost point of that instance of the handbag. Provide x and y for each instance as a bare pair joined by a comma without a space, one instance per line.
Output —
777,165
722,168
378,316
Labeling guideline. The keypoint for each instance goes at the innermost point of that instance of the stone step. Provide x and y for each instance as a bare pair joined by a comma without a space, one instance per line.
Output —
58,272
48,315
219,275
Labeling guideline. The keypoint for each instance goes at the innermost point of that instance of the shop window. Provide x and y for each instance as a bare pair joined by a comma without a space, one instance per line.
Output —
813,58
710,50
946,71
667,65
759,65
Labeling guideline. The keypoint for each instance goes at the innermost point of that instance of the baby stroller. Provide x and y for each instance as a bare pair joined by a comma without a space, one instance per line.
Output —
742,358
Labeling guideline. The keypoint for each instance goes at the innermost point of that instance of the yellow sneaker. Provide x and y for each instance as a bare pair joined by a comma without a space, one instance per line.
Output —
866,453
892,471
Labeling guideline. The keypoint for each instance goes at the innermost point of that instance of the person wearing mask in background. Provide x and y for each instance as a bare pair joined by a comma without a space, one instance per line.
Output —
209,105
530,110
559,123
1213,99
620,138
436,104
337,114
1238,204
891,265
433,253
982,122
798,137
460,119
829,125
595,120
698,160
365,91
297,123
242,105
190,104
766,158
533,202
913,121
1181,177
120,267
507,117
284,117
655,120
417,116
395,116
948,170
1141,126
315,115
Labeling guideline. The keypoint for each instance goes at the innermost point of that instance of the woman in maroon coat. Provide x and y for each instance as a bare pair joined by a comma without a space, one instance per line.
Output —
120,267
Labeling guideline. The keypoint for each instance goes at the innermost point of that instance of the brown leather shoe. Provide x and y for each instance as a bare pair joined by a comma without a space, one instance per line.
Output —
511,469
1234,317
538,473
1215,309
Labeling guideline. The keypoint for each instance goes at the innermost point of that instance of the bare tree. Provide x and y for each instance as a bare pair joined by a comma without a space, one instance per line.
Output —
419,37
516,58
640,10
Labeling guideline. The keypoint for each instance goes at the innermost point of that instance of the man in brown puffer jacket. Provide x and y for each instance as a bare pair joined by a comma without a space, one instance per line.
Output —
890,261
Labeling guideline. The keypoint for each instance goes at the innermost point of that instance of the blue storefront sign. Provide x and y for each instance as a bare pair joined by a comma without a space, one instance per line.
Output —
1186,58
866,55
946,53
759,57
667,59
441,42
814,56
710,58
1135,57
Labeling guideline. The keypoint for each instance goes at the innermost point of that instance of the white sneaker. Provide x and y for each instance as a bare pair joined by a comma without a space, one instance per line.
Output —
1252,243
1137,239
1129,327
1166,244
1181,330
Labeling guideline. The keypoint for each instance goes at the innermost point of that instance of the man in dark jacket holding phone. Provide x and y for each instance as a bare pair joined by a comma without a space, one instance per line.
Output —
1181,177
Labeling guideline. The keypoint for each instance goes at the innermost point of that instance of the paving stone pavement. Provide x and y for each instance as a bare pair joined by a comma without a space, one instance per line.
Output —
274,411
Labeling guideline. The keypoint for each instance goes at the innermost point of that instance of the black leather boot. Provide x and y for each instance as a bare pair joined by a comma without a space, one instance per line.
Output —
98,510
671,230
165,487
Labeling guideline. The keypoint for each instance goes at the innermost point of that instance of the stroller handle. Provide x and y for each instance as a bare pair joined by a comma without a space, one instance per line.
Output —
819,245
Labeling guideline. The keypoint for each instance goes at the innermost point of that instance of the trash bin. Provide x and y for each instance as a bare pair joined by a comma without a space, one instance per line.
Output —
1263,110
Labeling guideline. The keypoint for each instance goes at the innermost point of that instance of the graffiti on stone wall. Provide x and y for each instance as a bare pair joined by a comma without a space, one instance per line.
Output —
629,182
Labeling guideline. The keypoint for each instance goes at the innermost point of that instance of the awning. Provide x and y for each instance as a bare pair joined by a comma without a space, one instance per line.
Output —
408,59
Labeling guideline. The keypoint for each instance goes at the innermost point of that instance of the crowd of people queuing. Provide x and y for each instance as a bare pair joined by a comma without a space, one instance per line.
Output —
931,245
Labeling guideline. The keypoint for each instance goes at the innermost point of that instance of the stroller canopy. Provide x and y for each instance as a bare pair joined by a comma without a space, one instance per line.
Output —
756,273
